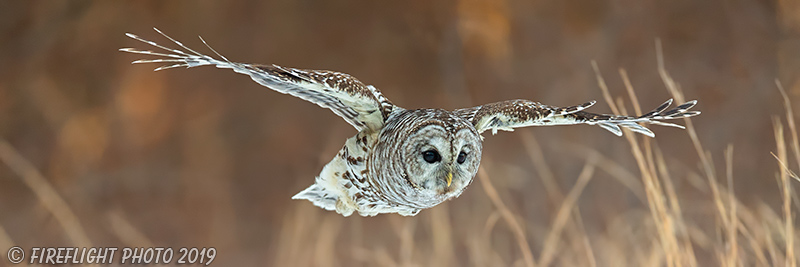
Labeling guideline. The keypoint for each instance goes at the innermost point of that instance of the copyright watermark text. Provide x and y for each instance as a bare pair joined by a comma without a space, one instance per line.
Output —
112,255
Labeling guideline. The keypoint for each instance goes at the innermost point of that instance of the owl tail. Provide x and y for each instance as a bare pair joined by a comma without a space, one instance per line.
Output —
319,196
613,123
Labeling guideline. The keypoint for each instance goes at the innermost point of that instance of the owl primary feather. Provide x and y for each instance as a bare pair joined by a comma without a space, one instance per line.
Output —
402,160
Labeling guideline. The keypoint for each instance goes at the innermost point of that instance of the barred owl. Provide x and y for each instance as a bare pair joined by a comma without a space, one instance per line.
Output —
401,160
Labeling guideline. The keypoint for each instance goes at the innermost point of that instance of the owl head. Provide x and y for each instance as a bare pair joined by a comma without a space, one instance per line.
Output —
439,153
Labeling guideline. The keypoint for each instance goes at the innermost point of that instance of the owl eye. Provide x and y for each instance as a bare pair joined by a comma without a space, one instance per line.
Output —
461,157
431,156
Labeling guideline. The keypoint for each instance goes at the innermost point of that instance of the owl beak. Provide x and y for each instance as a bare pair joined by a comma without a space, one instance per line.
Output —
449,178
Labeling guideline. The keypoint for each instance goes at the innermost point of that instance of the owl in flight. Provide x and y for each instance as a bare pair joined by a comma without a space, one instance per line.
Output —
401,160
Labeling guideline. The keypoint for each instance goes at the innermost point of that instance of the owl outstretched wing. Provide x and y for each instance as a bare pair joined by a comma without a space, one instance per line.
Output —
511,114
363,106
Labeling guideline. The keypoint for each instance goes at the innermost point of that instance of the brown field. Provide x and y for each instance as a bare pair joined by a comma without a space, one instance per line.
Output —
97,152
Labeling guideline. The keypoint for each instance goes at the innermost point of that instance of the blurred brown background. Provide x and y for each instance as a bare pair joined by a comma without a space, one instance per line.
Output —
205,157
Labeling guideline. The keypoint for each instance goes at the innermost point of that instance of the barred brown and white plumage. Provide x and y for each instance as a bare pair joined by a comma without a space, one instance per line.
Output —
402,161
507,115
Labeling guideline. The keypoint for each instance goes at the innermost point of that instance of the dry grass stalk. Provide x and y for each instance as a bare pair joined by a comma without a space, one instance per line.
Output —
554,193
786,193
551,243
674,89
442,237
617,171
673,208
787,105
46,194
589,251
790,256
534,151
705,156
481,246
733,230
654,193
404,228
507,215
5,240
297,233
325,245
680,223
753,232
126,232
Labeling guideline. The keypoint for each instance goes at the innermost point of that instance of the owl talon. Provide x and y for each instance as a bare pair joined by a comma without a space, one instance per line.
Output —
343,209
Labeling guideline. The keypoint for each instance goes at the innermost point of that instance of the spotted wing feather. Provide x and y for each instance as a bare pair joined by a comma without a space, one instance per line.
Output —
511,114
363,106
